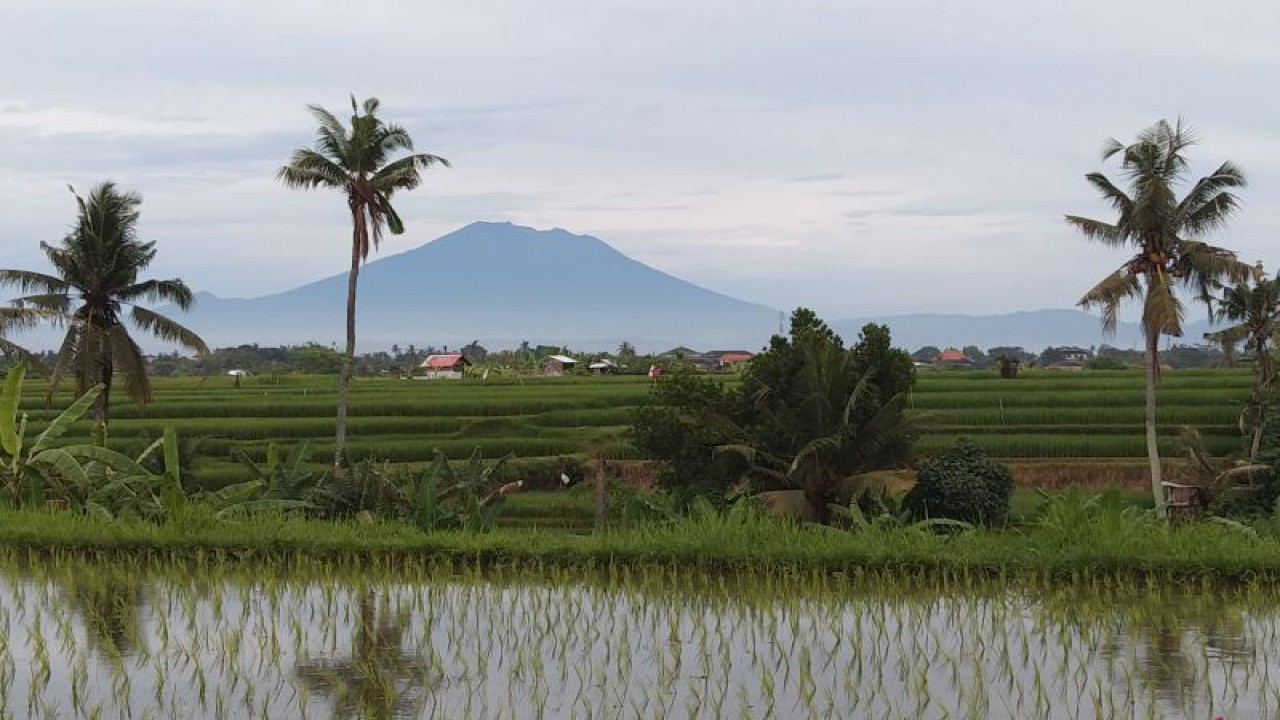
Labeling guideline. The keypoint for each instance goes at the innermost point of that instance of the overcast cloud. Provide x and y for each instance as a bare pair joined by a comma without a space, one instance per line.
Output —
855,157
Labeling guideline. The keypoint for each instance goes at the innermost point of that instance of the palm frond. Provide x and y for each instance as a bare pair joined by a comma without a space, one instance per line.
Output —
1099,231
167,330
406,172
1209,204
172,291
27,281
1114,196
47,306
1108,294
127,359
69,358
20,317
331,136
1162,311
308,169
1230,336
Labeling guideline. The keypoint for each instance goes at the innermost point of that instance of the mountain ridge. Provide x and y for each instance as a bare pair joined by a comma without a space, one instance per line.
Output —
502,284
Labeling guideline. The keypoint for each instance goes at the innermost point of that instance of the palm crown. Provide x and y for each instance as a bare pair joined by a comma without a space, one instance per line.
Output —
355,161
1255,311
1160,229
96,270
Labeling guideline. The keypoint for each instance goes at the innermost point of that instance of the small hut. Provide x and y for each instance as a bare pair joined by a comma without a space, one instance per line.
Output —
447,366
556,365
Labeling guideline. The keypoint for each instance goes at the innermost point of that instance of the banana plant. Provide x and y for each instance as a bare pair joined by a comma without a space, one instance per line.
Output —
278,485
21,465
467,497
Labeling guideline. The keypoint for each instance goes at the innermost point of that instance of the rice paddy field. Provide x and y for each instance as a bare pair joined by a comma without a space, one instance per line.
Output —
150,638
1048,425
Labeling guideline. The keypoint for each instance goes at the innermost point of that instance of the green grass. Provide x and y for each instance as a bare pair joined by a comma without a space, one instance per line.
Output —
714,543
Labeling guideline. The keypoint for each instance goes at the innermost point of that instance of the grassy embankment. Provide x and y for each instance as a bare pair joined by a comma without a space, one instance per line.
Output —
1070,545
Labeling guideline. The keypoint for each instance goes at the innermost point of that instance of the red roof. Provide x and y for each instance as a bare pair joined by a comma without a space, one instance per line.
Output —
952,355
443,361
736,357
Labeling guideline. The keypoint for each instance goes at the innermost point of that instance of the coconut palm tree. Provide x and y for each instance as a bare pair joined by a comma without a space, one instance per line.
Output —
96,269
1159,228
1255,310
358,162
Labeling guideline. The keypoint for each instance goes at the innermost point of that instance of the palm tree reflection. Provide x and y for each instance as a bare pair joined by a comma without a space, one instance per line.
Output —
379,680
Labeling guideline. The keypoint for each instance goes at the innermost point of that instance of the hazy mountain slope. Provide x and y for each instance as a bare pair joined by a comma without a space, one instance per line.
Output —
498,283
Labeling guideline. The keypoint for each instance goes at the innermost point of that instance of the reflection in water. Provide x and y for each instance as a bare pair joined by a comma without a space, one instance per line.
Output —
110,607
233,641
1168,637
378,680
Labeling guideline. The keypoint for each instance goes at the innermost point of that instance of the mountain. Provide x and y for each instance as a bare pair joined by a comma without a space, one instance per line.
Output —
1032,329
500,284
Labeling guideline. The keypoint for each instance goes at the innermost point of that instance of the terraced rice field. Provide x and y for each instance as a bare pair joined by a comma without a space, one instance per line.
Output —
1045,418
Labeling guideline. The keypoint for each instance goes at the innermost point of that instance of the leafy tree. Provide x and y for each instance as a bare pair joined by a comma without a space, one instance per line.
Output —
1013,352
318,359
475,352
926,354
1255,310
979,358
686,418
814,413
97,266
1159,228
358,162
627,354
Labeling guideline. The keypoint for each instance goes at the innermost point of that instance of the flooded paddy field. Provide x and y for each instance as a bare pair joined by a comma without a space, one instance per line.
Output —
109,639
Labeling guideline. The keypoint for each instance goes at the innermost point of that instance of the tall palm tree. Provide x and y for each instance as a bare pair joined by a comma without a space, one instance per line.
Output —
1159,228
358,162
97,266
1255,310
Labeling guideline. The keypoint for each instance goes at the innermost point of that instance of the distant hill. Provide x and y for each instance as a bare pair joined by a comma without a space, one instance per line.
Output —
500,284
1031,329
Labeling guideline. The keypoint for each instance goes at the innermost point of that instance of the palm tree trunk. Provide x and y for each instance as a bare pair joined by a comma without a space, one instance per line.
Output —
1153,447
1261,383
102,408
348,357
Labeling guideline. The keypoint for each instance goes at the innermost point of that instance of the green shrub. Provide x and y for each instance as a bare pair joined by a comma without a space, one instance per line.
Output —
962,484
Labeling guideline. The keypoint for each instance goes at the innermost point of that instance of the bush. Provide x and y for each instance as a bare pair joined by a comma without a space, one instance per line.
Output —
962,484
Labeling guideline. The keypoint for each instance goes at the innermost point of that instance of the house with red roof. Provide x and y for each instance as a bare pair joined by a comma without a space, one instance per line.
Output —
952,356
731,358
445,366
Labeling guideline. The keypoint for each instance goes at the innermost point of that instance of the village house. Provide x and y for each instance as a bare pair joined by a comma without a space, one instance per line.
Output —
603,366
709,361
726,359
555,365
953,357
445,366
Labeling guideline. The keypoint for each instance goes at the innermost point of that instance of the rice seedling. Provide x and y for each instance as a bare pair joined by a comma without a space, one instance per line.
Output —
218,633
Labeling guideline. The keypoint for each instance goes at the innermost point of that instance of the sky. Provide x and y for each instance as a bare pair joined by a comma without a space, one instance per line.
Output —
858,158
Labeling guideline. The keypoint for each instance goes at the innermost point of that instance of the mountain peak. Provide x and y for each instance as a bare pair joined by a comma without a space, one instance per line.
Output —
502,282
